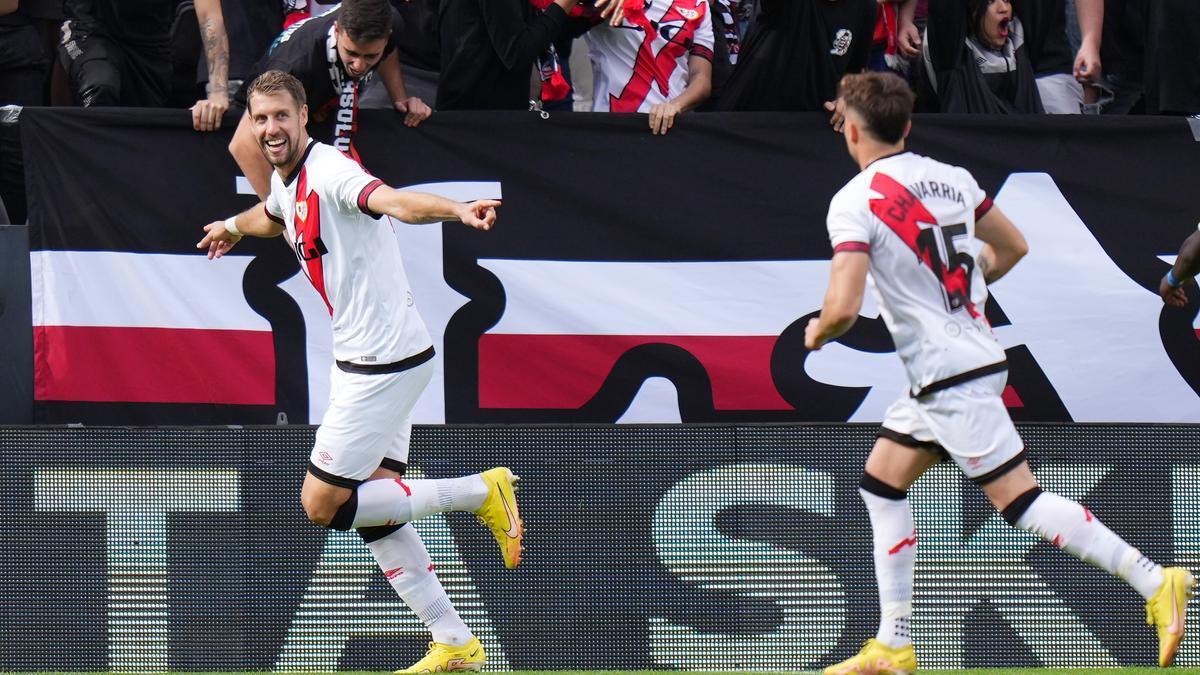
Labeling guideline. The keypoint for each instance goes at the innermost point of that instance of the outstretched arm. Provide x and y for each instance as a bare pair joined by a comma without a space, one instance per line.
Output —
222,235
1186,266
422,207
1004,244
843,299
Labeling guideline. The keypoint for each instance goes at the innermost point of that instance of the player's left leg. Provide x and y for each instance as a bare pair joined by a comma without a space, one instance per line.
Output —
973,424
1073,528
405,562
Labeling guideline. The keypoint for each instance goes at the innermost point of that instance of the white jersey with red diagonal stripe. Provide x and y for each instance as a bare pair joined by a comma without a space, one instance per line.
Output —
916,218
350,255
644,61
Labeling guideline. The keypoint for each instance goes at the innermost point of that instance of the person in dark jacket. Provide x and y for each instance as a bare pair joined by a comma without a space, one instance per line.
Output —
489,48
974,59
796,53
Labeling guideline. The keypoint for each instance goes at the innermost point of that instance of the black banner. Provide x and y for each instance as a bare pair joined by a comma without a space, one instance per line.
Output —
630,277
675,547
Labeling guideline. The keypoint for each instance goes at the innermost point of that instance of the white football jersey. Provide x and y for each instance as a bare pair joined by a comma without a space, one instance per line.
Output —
644,61
350,255
916,219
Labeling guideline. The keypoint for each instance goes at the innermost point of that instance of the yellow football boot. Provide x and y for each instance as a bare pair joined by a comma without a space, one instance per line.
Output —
499,513
1167,610
876,658
443,658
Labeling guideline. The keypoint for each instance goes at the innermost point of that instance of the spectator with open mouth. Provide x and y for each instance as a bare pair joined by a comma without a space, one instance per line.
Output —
974,59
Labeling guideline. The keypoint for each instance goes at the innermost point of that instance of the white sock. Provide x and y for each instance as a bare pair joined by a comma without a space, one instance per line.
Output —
406,564
391,501
895,549
1071,527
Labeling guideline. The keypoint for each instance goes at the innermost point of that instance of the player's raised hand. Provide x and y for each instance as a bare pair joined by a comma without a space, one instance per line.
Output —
217,239
480,214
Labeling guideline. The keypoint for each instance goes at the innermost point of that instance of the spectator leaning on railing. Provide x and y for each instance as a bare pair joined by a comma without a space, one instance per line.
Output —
332,55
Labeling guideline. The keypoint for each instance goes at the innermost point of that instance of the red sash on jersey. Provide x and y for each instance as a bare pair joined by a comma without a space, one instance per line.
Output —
308,245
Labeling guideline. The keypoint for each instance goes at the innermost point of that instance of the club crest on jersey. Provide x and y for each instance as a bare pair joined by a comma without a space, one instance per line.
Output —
302,210
841,42
689,14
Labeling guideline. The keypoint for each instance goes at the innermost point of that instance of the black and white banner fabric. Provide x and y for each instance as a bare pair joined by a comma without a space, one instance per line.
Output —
630,278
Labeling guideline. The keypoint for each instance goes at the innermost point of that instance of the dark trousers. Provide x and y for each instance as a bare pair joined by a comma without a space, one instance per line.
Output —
22,72
106,72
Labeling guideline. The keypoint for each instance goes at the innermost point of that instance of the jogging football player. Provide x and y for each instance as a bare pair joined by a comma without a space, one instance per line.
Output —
329,208
916,225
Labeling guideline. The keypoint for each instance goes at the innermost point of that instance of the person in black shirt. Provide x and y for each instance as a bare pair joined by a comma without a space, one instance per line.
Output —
797,51
489,48
333,55
1172,77
118,52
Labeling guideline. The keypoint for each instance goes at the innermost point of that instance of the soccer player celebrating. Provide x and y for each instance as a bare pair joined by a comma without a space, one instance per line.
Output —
330,209
916,225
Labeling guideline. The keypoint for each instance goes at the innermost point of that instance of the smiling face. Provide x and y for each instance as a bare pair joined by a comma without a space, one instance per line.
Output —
359,56
278,122
993,25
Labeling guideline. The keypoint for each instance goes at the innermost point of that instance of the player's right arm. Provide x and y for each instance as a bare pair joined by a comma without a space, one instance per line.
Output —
1003,246
219,237
249,157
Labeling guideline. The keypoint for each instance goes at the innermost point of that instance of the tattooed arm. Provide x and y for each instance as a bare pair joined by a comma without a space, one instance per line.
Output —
206,114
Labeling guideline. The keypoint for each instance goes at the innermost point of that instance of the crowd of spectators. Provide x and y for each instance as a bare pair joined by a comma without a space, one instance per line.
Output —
658,57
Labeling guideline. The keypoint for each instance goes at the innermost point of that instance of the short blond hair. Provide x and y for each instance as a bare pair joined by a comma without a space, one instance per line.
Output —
275,82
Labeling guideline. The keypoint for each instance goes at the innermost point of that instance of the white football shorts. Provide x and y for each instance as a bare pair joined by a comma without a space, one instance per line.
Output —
969,421
369,419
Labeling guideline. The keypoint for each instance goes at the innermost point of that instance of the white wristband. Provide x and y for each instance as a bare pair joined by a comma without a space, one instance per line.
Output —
231,226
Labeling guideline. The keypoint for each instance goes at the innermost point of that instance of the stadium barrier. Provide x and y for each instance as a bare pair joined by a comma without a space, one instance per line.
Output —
713,547
630,278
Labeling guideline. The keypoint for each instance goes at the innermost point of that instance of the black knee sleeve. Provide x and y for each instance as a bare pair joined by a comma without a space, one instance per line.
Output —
370,534
881,489
1017,508
343,519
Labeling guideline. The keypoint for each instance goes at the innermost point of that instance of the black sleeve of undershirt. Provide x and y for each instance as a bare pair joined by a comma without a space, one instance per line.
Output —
516,39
